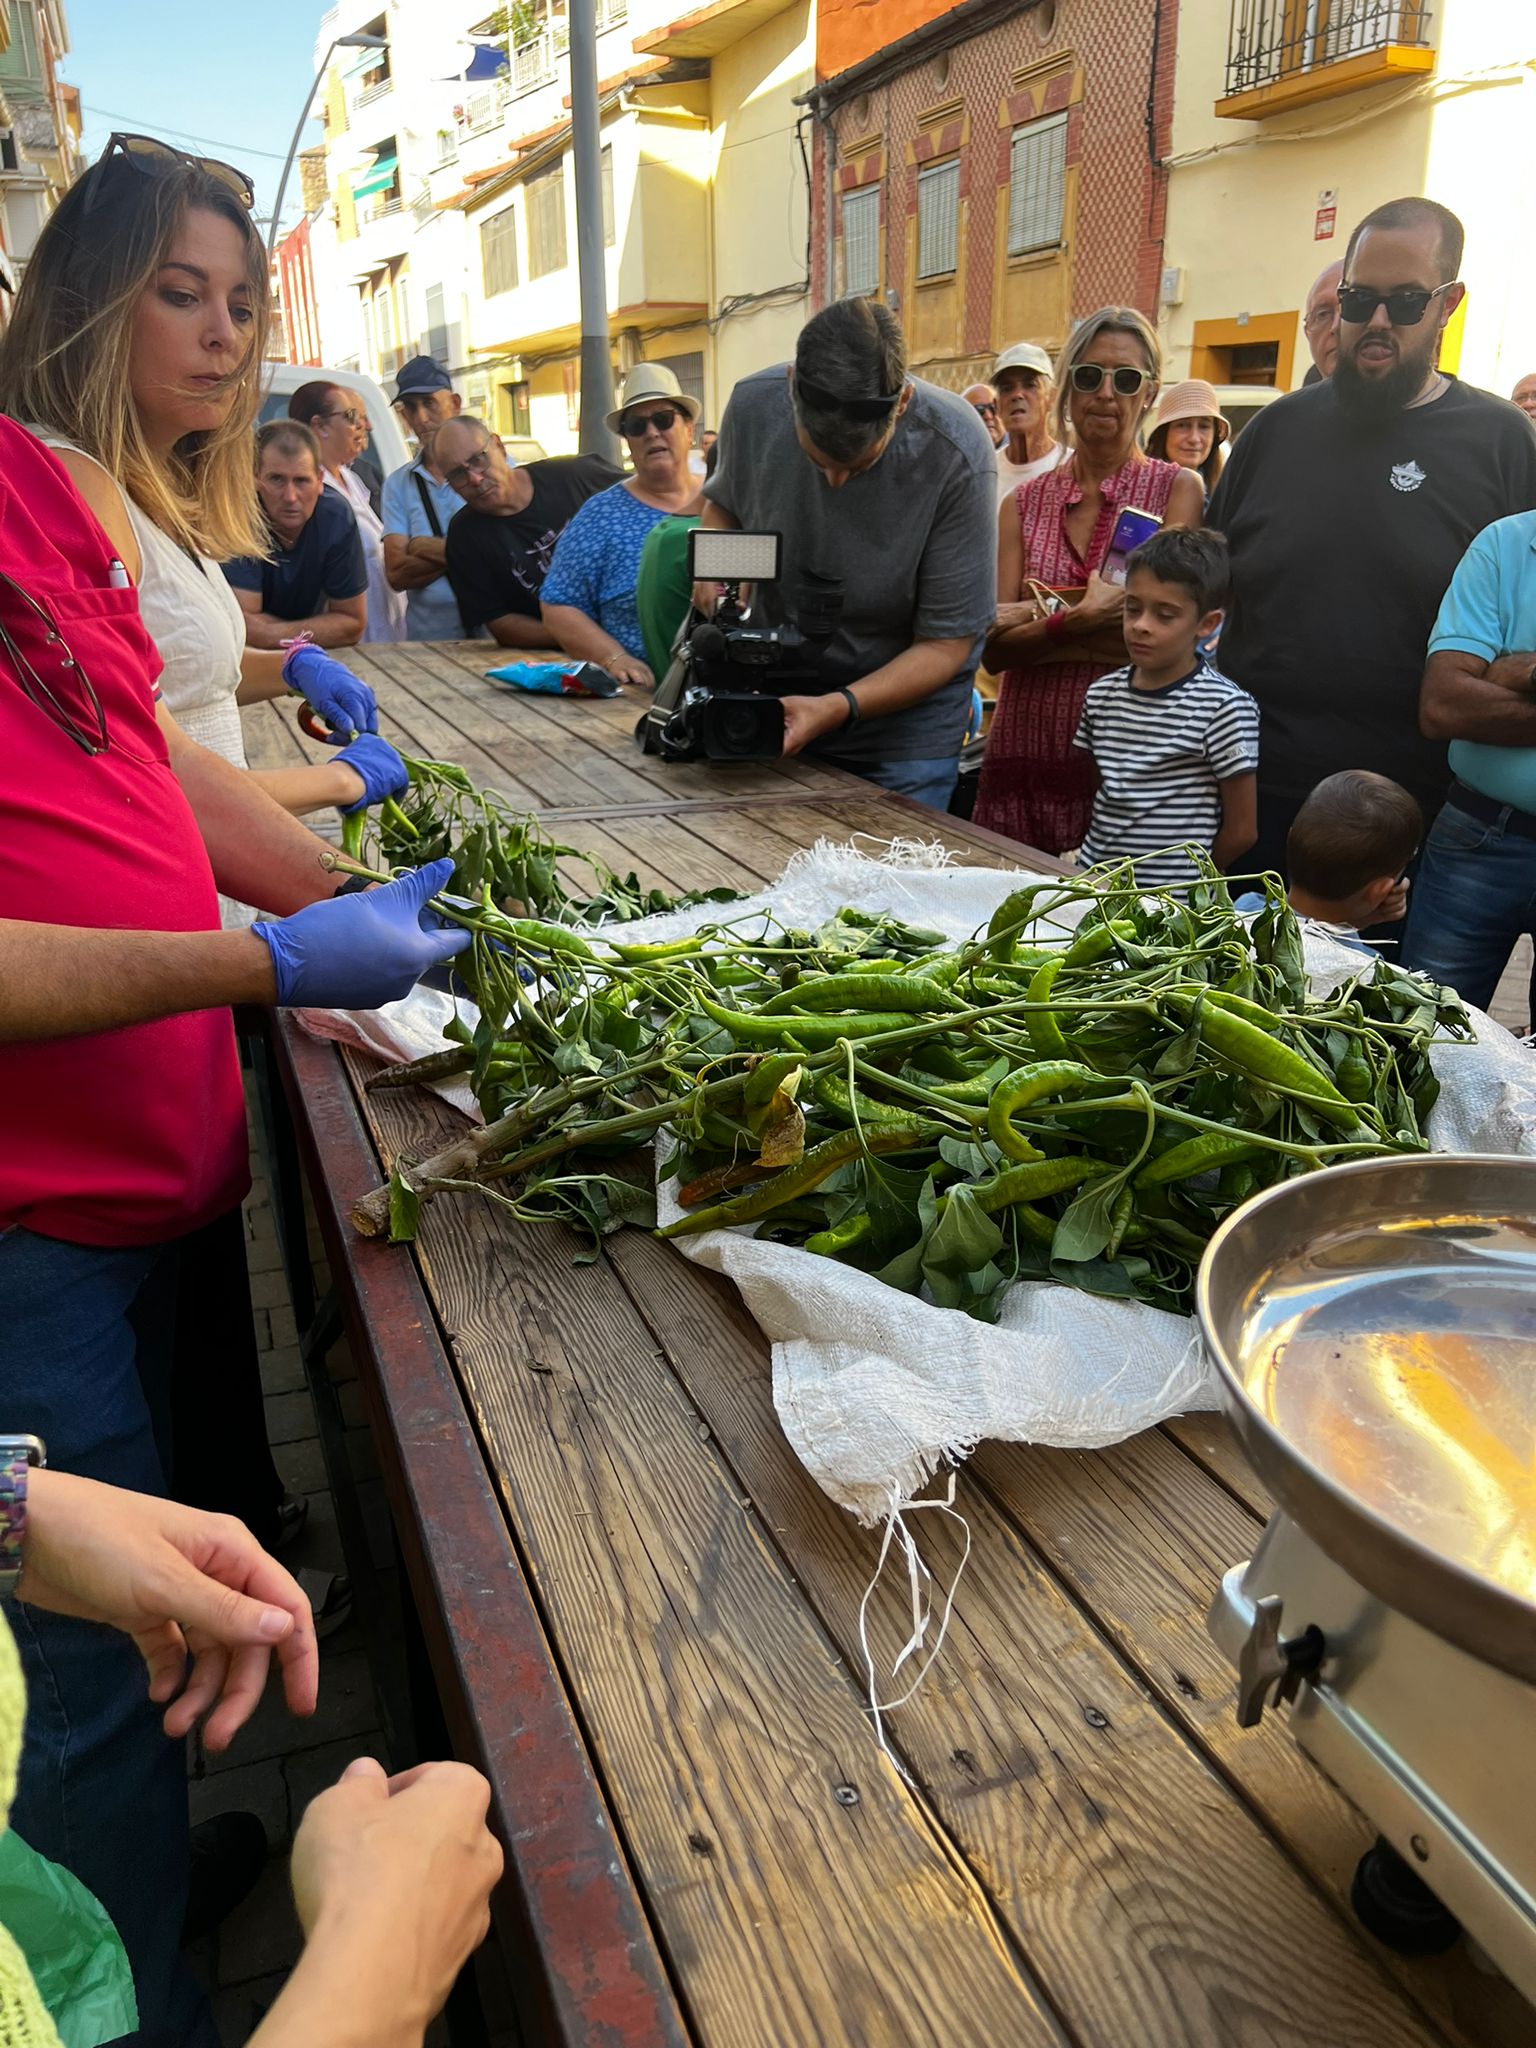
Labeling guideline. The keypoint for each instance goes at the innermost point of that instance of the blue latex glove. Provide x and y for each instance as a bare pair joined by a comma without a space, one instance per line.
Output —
355,952
381,768
342,699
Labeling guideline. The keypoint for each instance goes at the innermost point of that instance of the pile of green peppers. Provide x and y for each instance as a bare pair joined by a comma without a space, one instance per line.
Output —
1079,1093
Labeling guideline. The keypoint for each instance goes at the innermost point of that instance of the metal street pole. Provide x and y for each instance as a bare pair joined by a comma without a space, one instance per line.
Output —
360,41
587,161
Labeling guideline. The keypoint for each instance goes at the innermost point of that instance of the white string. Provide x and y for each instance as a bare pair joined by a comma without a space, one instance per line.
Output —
922,1606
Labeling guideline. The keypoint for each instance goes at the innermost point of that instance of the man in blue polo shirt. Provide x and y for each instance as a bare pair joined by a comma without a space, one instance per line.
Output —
315,580
1476,890
417,506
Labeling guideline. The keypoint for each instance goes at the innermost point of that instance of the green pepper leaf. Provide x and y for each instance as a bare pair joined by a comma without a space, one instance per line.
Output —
404,1207
1088,1221
964,1238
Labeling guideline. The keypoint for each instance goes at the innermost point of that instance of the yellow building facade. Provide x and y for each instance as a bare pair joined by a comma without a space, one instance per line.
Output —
1291,122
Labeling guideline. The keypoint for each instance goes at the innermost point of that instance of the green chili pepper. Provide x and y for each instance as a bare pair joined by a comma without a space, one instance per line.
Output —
1258,1055
1119,1220
1030,1182
842,1237
833,1092
1010,918
866,992
1200,1154
749,1027
1100,940
1031,1084
1044,1033
819,1164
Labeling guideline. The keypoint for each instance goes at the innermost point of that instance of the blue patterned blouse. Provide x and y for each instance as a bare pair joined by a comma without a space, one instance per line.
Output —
597,563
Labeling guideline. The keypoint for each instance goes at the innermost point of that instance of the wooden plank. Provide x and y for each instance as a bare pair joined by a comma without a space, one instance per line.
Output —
1140,1535
271,740
801,1891
1098,1828
1210,1441
572,760
568,1904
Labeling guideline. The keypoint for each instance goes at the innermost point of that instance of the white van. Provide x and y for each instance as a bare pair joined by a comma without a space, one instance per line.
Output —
387,447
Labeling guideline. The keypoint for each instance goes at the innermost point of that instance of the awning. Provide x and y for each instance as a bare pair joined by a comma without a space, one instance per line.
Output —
487,62
378,178
365,60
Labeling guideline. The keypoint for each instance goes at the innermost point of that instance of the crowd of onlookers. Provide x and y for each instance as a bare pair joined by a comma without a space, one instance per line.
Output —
1310,648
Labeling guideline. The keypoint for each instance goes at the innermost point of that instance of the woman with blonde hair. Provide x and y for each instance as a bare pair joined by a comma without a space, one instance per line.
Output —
1054,531
134,352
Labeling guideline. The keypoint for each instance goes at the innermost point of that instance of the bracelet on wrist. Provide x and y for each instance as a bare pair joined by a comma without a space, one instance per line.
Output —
854,712
18,1454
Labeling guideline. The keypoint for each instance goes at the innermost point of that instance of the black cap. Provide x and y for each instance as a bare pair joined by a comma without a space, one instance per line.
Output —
421,374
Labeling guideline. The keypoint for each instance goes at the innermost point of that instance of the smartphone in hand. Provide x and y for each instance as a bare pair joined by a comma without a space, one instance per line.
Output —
1131,529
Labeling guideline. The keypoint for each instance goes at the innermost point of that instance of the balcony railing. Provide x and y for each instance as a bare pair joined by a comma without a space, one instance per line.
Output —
536,61
379,207
482,110
373,92
1271,41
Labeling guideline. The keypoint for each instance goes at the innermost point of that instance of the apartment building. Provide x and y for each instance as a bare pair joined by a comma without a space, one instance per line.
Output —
992,170
39,127
1292,119
449,217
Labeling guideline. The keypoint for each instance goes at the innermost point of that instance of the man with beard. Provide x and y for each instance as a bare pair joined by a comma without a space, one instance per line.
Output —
1347,508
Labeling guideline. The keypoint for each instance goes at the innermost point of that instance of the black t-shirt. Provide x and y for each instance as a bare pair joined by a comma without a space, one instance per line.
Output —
1344,535
497,562
325,561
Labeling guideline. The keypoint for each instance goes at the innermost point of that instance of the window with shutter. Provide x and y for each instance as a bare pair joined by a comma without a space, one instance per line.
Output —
608,234
1037,185
437,324
498,253
938,218
546,222
861,242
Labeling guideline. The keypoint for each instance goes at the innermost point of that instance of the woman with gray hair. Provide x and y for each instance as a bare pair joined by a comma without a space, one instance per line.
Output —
1054,531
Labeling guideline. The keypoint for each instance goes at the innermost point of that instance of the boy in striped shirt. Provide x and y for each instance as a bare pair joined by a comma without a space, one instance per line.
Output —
1176,743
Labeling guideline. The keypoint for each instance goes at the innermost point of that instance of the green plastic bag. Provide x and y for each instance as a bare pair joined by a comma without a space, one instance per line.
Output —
72,1949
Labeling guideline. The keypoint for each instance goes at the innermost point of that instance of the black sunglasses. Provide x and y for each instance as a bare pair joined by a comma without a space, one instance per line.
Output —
349,413
1125,380
989,407
1406,306
90,739
817,396
663,419
148,154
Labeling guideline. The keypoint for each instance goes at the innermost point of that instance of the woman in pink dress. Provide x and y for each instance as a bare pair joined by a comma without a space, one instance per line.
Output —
1054,530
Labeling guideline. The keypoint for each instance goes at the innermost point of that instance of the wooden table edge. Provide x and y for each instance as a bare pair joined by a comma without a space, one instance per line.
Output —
580,1919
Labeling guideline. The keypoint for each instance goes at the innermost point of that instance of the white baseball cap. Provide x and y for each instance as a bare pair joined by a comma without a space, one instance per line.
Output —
1025,355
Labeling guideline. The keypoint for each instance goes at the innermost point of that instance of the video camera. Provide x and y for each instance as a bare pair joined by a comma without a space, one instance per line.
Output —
720,699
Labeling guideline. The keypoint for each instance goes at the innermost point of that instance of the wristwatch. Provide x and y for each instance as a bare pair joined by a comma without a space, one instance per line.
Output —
18,1454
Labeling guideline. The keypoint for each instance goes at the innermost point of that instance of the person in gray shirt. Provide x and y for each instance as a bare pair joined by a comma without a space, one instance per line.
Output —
886,487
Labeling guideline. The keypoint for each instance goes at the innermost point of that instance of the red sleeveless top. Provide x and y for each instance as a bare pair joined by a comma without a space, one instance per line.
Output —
135,1136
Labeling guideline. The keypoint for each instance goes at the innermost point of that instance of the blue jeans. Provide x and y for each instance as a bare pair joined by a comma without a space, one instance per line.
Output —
927,782
86,1344
1474,898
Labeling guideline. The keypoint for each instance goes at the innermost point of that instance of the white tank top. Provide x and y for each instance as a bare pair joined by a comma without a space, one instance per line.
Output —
194,618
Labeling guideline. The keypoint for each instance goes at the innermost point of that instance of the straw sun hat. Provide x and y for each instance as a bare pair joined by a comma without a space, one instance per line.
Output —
1195,400
651,380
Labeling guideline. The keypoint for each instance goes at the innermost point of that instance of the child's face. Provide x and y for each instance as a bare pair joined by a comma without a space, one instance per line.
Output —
1163,622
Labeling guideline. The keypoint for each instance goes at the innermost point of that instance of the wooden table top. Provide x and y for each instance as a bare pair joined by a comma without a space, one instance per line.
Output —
650,1611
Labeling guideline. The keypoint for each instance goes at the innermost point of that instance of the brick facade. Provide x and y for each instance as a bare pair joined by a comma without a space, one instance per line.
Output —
1096,63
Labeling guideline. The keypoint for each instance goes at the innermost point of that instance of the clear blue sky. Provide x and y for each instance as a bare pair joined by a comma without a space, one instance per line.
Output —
217,78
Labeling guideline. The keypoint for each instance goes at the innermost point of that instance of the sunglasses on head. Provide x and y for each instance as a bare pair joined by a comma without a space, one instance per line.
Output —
817,396
1125,381
1406,306
148,154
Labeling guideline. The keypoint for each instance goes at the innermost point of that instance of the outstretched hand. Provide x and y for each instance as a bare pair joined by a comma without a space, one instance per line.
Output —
185,1585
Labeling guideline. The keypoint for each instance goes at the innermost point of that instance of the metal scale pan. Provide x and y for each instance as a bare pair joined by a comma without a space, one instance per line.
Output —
1374,1329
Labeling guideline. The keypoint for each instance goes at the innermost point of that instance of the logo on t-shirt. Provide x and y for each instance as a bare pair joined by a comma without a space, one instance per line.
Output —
1406,476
